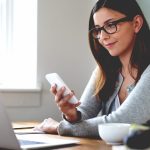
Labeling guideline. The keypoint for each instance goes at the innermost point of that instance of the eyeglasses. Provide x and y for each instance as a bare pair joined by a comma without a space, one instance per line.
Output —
109,28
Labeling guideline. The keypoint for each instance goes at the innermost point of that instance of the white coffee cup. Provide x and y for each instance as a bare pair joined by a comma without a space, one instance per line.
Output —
113,133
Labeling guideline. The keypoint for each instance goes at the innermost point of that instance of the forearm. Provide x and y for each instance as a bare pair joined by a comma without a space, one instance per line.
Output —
80,129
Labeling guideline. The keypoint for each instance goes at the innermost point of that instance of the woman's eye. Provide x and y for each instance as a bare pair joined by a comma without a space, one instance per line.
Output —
110,25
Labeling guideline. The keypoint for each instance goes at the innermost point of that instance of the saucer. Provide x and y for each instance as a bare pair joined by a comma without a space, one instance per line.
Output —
115,143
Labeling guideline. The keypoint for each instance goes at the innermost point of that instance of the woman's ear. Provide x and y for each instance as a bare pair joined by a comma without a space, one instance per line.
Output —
138,22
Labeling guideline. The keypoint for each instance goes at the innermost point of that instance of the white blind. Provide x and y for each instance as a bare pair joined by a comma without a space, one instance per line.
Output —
18,43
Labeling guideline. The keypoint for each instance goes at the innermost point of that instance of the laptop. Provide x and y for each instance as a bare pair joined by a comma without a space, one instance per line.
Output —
10,140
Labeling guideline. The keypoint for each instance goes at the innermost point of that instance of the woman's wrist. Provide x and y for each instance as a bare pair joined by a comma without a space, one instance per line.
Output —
73,117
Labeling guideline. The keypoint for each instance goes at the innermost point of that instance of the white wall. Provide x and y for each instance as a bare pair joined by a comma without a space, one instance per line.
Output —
62,48
145,4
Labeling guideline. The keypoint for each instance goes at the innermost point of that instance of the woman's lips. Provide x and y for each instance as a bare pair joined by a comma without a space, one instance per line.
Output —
110,45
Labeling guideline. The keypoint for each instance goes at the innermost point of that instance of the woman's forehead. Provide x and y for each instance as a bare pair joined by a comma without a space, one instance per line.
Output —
105,14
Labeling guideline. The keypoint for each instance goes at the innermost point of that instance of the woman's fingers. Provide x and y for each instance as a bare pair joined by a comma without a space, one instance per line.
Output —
77,104
39,127
48,125
59,95
65,100
53,89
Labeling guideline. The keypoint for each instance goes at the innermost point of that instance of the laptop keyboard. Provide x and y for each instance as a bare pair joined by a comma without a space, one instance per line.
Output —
27,142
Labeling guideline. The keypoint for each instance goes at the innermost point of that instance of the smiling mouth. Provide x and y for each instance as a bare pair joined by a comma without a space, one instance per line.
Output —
110,44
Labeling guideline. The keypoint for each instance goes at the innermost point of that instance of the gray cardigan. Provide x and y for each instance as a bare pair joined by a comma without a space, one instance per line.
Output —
135,109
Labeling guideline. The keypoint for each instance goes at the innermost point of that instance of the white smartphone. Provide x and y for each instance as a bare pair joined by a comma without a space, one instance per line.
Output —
54,78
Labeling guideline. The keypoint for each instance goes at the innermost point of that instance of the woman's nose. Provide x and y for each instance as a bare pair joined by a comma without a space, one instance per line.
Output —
103,35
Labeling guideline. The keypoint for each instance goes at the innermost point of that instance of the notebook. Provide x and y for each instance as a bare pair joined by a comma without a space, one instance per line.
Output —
10,140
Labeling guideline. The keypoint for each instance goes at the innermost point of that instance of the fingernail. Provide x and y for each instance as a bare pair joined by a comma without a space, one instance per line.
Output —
53,85
71,94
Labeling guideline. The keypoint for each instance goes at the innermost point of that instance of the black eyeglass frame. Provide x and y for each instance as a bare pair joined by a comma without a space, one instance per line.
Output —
99,29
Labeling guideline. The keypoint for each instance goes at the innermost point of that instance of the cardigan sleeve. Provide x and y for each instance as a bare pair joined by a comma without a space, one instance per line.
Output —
135,109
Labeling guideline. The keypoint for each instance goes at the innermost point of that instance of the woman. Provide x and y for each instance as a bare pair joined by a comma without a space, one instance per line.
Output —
119,88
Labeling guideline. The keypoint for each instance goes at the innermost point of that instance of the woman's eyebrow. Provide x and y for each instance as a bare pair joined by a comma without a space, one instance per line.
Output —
106,22
109,20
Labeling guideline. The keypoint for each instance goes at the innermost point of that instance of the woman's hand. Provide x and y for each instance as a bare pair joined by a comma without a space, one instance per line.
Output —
48,125
68,109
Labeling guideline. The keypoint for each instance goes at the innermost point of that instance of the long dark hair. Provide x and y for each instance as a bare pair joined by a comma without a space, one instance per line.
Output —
109,66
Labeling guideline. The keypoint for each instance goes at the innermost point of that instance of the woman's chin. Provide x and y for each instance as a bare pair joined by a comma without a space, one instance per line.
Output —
113,54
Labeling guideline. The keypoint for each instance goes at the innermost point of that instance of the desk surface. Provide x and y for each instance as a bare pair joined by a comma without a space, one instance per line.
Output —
85,143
